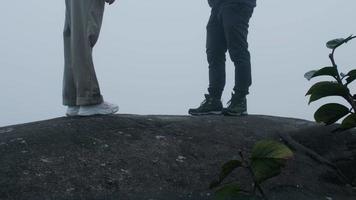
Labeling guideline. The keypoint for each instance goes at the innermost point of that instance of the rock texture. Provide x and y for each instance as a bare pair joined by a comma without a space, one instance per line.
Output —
167,157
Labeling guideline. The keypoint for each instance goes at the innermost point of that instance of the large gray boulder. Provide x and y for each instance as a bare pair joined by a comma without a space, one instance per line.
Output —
168,157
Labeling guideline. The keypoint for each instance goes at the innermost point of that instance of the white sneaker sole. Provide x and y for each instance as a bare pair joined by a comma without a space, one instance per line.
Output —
98,112
71,114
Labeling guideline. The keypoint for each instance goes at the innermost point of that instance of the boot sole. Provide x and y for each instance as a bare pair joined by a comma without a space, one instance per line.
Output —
207,113
226,113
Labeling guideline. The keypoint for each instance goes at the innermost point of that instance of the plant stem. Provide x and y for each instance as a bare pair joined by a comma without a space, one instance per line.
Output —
349,97
351,37
331,56
257,185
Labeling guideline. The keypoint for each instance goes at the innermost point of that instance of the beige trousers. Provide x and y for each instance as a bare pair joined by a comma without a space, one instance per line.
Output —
82,27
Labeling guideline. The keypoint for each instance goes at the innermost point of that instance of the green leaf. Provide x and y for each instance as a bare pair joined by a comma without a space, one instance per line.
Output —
325,89
332,44
309,75
227,169
231,191
330,113
349,122
264,169
326,71
351,76
267,159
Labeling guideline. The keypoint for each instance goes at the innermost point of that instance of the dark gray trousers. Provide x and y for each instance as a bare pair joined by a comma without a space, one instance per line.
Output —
227,30
82,27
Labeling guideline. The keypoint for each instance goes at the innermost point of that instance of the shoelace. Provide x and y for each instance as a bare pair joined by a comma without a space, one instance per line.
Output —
204,102
228,103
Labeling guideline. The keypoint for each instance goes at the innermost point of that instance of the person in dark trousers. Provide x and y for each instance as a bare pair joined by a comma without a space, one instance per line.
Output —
227,30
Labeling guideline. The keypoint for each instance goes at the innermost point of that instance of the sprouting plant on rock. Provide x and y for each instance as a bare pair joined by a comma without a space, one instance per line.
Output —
267,159
332,112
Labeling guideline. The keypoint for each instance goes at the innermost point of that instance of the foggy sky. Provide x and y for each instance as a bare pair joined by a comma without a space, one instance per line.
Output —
150,58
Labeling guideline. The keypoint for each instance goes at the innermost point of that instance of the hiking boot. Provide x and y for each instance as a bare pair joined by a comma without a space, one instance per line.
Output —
72,111
237,106
104,108
210,106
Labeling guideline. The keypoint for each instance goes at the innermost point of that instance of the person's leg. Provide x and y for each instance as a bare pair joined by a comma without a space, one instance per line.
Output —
216,49
69,88
86,19
81,90
236,19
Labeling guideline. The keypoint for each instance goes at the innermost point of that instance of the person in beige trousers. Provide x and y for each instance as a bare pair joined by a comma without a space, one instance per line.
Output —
81,91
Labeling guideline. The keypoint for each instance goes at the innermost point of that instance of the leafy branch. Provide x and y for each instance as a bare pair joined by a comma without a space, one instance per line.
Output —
266,161
332,112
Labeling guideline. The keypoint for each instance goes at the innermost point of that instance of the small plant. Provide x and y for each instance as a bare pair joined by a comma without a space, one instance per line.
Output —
332,112
266,161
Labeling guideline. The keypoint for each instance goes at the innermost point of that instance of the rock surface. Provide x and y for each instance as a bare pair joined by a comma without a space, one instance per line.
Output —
167,157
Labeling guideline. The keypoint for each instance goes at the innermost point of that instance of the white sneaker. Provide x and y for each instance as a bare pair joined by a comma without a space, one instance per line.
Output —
72,111
104,108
